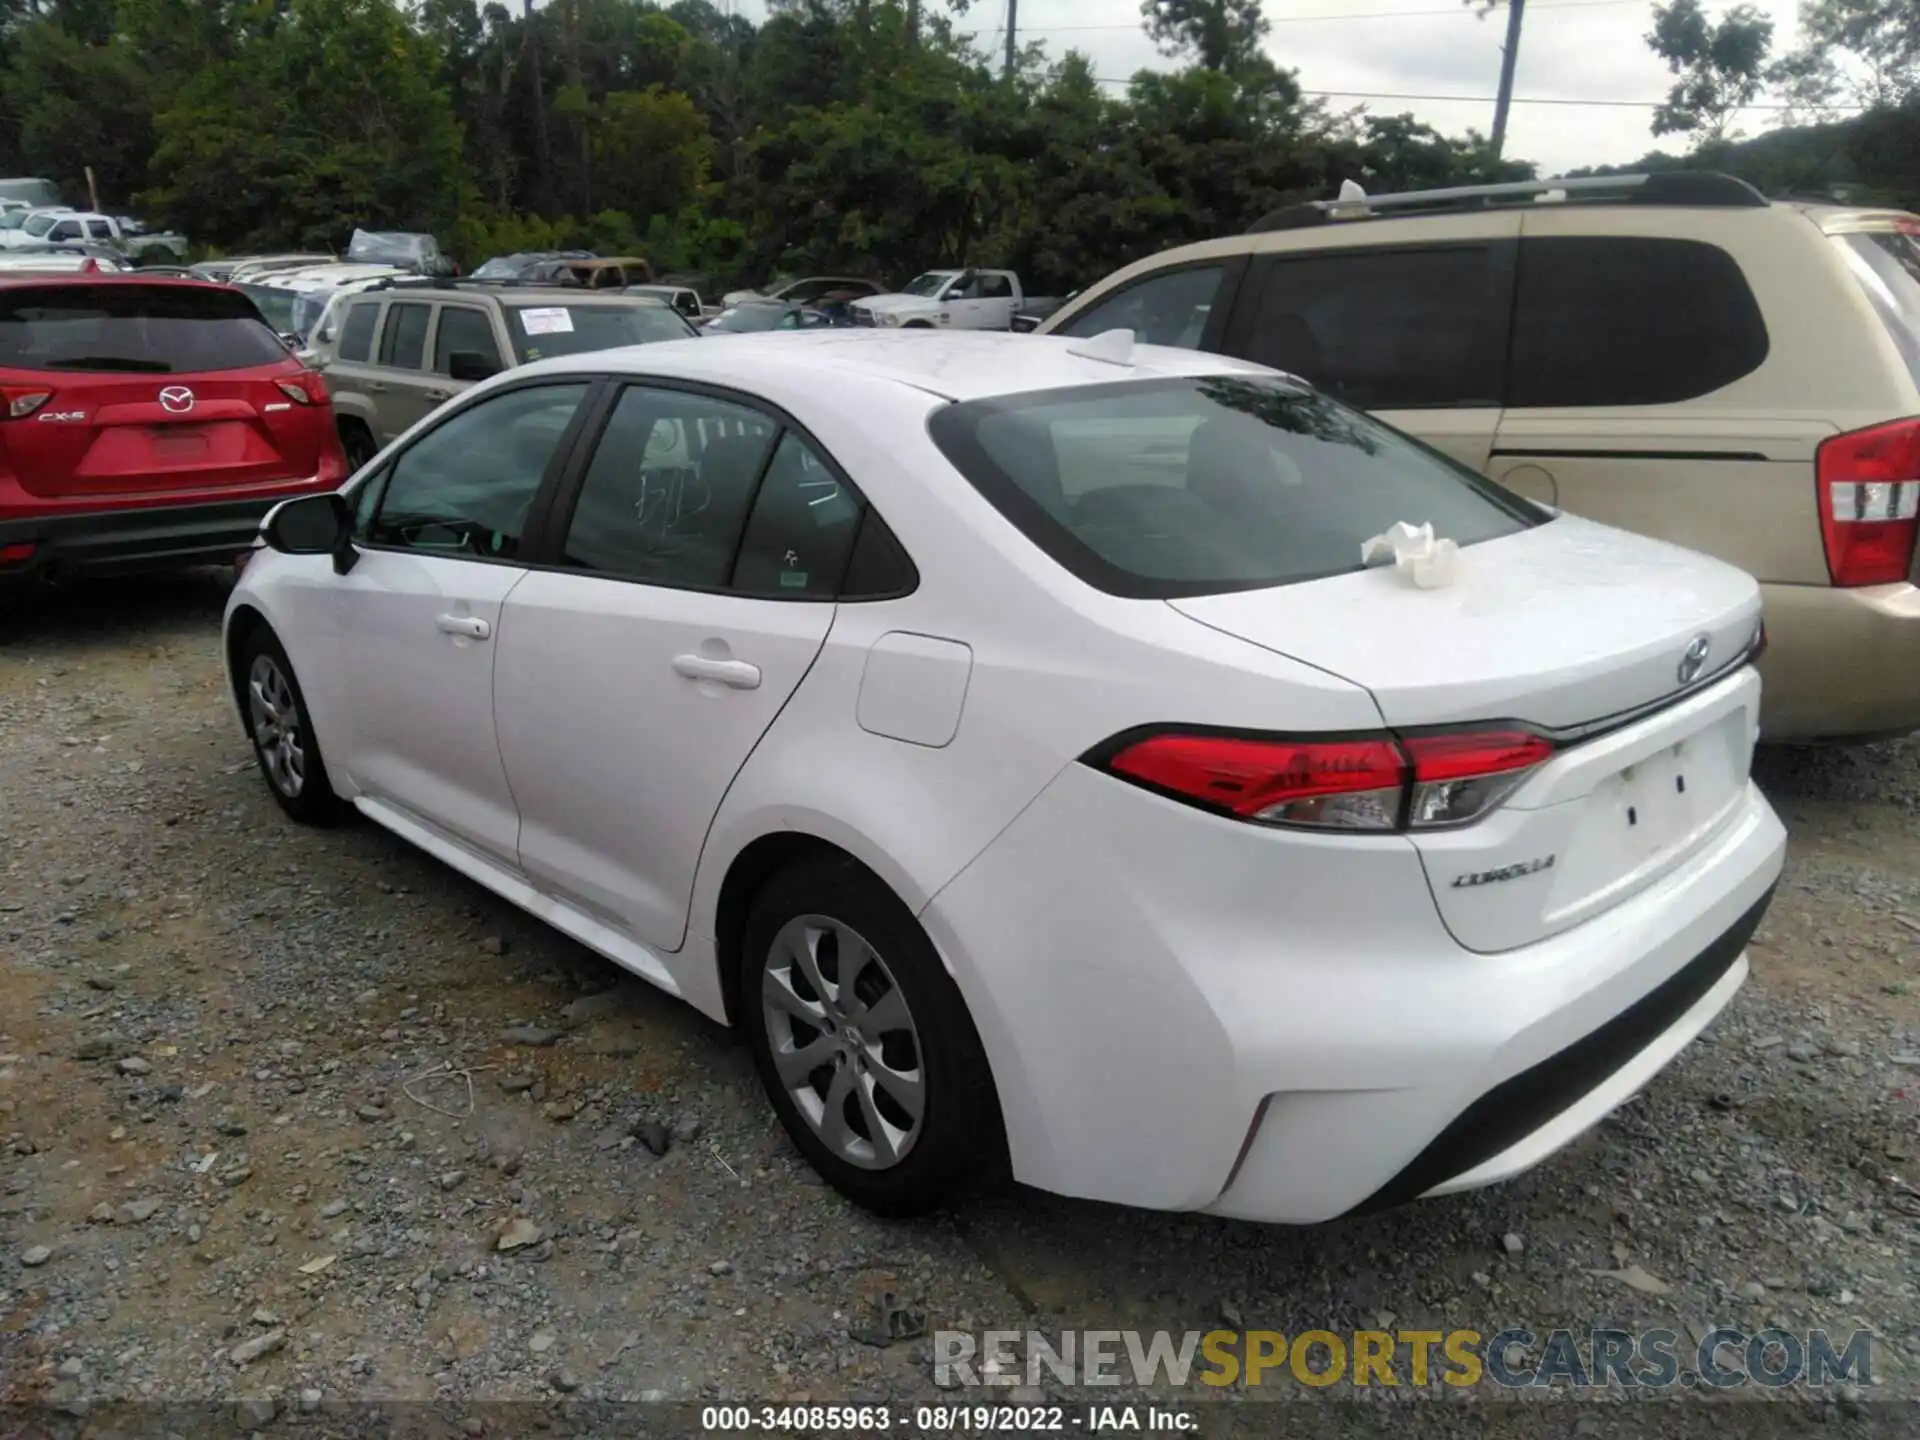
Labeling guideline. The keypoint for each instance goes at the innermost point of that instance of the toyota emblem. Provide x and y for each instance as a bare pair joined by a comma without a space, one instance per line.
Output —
177,399
1695,659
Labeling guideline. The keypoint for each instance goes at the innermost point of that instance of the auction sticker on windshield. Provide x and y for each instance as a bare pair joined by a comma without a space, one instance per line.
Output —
546,320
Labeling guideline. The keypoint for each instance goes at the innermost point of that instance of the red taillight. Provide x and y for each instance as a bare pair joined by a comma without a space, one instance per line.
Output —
1457,776
22,403
1870,502
1364,783
309,389
17,553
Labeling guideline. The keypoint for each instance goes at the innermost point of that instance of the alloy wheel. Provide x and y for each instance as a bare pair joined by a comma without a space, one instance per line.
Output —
277,730
843,1041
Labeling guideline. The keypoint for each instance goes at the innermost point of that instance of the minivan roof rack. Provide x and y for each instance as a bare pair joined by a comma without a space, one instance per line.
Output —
1665,187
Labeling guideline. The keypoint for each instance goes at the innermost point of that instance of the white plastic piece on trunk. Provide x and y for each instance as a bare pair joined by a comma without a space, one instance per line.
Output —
1416,554
1351,190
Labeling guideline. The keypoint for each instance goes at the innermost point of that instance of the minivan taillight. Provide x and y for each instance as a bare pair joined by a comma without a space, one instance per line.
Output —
1369,782
1870,502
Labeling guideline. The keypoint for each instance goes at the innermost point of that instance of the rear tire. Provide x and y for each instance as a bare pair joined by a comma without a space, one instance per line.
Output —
282,732
898,1111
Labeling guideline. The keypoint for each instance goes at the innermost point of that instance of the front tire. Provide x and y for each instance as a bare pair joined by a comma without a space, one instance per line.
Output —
864,1044
282,733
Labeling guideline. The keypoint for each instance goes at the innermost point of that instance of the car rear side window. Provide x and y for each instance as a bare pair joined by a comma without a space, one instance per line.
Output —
1887,266
403,345
1200,485
130,327
1629,320
466,487
1381,329
1170,308
666,495
356,336
801,529
464,329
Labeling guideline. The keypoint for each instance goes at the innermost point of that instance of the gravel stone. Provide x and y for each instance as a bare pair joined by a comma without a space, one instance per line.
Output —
35,1256
248,1351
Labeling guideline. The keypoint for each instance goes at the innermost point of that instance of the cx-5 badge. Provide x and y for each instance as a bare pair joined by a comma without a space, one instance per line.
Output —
1505,872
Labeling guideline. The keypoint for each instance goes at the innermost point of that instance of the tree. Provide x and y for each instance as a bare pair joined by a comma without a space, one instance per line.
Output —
1721,66
330,119
1868,50
1220,35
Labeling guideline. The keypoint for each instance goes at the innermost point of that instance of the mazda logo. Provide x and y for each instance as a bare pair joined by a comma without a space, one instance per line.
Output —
1695,659
177,399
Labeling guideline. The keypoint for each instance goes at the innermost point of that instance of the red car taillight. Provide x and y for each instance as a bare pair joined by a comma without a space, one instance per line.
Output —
22,403
1870,502
308,389
1372,782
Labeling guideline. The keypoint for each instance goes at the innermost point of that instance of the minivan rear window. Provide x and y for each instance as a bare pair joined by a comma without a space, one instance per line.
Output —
126,326
1201,485
1886,263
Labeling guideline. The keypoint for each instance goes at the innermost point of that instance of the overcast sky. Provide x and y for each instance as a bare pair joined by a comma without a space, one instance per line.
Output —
1570,50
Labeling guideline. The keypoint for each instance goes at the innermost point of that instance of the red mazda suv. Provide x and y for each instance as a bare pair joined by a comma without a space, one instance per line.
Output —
147,423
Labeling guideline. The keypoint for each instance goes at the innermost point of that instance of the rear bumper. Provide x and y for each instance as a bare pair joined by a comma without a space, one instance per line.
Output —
1189,1014
1840,664
121,541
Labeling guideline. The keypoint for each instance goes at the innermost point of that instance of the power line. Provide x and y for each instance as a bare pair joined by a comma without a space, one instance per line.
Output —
1460,10
1517,100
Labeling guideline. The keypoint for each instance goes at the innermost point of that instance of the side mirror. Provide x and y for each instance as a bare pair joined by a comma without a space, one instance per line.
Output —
470,365
290,340
312,525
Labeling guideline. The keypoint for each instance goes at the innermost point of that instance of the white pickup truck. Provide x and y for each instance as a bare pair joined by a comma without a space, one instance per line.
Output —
947,300
128,237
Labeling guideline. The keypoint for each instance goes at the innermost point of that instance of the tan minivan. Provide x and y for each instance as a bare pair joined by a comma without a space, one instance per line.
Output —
1672,354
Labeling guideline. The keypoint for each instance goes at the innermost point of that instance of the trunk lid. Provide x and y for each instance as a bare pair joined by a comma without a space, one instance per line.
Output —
129,390
1578,630
1558,625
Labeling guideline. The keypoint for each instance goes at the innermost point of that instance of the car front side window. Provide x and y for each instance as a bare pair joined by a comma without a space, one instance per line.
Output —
467,487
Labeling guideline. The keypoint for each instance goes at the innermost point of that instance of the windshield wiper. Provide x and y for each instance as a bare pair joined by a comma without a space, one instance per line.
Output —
110,362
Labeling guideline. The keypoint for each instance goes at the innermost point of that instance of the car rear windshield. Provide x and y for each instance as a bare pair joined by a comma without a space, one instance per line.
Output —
541,332
1887,265
121,326
1194,486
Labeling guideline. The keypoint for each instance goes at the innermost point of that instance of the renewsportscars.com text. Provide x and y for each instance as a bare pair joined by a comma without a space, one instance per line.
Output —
1723,1358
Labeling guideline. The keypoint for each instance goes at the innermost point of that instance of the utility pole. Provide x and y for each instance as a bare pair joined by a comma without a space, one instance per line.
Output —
1013,21
1509,54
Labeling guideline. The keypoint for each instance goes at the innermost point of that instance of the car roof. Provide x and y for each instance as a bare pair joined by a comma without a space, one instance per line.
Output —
109,277
955,365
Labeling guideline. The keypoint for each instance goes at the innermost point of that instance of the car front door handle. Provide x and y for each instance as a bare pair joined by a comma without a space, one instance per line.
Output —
737,674
438,395
471,626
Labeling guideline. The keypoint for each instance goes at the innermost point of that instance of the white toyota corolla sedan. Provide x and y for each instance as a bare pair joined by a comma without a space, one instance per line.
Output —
1006,735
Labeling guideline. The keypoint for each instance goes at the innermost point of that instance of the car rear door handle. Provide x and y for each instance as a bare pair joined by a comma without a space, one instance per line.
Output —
737,674
376,387
439,394
472,626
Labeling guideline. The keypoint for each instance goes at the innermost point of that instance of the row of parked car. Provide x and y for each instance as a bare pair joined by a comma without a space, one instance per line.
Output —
1672,354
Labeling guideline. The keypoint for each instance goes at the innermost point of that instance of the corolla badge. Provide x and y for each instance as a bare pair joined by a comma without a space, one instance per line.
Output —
177,399
1695,659
1505,872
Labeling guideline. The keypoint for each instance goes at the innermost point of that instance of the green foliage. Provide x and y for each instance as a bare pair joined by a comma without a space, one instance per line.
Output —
1721,65
327,116
844,135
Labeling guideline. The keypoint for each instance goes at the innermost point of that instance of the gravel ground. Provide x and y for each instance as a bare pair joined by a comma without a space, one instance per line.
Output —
222,1178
